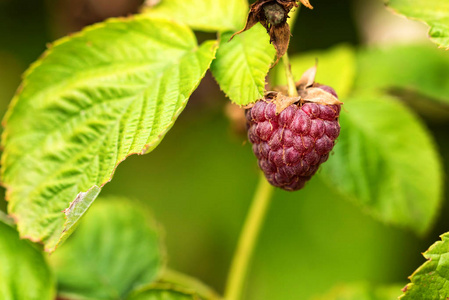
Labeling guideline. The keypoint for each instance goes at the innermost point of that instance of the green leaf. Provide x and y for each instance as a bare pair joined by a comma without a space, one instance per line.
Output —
434,13
386,161
336,68
243,63
416,68
204,15
113,90
431,280
362,292
164,292
115,250
24,273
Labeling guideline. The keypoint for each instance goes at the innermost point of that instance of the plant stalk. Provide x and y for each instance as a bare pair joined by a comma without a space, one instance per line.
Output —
292,92
248,239
258,210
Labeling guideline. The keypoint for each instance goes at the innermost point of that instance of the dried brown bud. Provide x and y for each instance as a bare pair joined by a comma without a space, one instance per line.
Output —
273,14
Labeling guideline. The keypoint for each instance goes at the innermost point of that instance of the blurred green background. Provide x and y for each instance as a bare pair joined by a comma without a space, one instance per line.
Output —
200,180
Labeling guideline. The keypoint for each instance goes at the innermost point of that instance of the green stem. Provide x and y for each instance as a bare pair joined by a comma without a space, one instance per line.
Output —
248,240
292,92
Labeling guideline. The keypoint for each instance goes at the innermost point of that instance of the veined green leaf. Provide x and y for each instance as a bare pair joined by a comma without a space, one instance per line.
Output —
431,280
204,15
93,99
434,13
243,63
386,161
24,273
164,292
115,250
336,68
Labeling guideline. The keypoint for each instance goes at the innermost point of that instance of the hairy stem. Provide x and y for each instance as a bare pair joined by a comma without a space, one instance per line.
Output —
248,240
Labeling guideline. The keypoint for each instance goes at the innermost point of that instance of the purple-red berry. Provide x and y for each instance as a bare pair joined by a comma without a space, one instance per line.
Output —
291,145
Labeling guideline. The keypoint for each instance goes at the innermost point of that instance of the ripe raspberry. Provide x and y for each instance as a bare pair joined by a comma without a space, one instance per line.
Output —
291,145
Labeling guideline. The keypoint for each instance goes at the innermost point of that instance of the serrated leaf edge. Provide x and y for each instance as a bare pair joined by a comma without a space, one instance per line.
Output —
147,147
423,266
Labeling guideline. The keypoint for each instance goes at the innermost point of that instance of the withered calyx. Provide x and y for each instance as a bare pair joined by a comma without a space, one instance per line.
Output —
273,14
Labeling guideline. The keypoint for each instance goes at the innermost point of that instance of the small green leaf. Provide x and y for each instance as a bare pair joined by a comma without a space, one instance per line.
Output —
362,292
431,280
24,273
416,68
165,292
386,161
434,13
113,90
115,250
204,15
243,63
336,68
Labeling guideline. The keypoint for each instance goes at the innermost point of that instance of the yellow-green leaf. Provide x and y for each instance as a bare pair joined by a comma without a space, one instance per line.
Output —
243,63
93,99
204,15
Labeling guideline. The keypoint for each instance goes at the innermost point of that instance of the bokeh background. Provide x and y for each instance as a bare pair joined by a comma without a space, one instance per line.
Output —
200,180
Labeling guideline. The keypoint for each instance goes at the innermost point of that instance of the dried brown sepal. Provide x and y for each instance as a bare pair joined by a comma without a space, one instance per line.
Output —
248,106
250,22
308,91
306,3
307,78
281,100
319,96
280,38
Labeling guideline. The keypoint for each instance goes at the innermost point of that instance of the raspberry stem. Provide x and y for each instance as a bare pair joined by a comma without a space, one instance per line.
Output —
292,92
248,239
